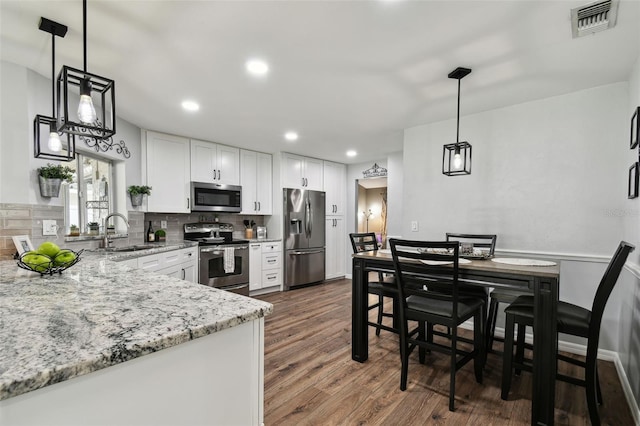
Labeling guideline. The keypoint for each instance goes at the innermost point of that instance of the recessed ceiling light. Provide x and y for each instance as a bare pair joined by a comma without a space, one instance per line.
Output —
351,153
257,67
190,105
291,136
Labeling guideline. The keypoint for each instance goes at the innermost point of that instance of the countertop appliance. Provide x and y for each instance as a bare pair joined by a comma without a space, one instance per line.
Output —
215,197
224,262
304,237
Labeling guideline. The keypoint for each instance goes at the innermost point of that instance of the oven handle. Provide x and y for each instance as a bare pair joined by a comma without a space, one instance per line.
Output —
233,287
218,250
300,253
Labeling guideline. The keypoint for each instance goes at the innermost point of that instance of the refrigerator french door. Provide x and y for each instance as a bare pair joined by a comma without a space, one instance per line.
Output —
304,237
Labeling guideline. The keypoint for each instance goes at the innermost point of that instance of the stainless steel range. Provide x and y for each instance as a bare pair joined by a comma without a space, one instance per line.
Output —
224,262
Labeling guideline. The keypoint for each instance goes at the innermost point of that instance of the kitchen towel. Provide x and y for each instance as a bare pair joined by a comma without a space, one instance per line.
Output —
229,260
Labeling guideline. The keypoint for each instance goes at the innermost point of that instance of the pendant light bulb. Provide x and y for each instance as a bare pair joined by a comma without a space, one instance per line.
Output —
86,110
457,159
54,143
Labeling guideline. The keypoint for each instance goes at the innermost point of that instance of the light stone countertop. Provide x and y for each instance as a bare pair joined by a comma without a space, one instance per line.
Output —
99,313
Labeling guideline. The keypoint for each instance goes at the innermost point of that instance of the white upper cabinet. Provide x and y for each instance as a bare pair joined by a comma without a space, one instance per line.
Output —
301,172
168,173
256,181
334,186
214,163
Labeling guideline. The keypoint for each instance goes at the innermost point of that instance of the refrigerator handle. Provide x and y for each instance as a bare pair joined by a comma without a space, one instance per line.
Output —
309,218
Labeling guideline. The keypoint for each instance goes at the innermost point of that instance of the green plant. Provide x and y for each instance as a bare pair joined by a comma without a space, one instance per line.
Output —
73,227
51,171
134,190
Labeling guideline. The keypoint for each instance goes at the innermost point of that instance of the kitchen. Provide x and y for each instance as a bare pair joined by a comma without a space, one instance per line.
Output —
513,185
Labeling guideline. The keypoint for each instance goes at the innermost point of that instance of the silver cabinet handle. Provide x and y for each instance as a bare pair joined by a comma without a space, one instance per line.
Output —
255,206
302,181
259,207
302,253
214,174
219,174
188,203
184,274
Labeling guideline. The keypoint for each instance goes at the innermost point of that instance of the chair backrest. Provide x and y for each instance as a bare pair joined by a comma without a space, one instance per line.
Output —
364,241
605,288
485,242
426,269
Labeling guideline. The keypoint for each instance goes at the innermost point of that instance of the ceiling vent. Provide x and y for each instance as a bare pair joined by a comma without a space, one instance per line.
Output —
593,18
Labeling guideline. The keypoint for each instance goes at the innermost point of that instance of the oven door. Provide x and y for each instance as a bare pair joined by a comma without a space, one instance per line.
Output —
224,266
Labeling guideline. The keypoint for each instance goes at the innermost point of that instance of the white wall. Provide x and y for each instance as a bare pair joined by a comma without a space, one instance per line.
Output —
546,174
24,94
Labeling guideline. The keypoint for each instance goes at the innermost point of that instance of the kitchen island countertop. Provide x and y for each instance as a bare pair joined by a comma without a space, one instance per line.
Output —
99,313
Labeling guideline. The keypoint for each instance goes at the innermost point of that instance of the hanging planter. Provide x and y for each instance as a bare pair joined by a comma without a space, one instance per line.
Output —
137,192
51,177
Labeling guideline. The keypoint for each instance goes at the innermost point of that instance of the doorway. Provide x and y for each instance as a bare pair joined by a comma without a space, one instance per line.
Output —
371,210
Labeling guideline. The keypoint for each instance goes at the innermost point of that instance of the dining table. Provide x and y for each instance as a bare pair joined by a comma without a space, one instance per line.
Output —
543,281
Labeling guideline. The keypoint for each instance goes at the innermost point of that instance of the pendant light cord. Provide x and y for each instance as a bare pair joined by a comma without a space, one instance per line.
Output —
84,33
53,75
458,121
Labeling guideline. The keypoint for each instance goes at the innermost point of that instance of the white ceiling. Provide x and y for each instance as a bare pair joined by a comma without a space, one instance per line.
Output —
344,74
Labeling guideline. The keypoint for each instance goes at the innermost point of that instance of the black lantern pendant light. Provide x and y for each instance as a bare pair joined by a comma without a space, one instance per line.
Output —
95,113
47,142
456,157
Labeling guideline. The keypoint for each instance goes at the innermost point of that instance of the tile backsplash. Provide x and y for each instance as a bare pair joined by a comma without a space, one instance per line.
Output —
26,219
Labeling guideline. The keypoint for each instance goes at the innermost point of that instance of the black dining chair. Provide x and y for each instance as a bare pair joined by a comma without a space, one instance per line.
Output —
384,287
428,292
573,320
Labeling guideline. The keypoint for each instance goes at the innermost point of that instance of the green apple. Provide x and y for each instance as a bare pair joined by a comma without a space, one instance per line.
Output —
64,257
37,262
48,249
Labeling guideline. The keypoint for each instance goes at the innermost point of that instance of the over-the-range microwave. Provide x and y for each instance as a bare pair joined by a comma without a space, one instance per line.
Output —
215,197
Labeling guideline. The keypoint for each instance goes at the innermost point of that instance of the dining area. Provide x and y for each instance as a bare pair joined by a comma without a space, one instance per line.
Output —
446,296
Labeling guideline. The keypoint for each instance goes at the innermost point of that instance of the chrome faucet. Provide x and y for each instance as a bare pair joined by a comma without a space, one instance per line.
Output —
106,240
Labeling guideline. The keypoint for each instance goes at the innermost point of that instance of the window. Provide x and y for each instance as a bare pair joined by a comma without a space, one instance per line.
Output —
89,197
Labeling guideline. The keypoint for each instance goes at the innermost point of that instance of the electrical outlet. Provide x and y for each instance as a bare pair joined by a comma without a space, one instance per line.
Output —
414,226
49,227
163,224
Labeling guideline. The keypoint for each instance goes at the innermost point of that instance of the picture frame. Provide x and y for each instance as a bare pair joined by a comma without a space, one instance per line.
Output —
635,128
633,181
22,243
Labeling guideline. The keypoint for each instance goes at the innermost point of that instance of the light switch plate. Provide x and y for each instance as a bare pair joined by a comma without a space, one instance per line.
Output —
414,226
49,227
163,224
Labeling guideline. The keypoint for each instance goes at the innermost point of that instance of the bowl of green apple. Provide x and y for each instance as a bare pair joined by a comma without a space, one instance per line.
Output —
48,259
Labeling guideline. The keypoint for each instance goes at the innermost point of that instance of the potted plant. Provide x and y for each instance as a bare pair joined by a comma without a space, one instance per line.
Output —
74,231
51,177
136,193
94,228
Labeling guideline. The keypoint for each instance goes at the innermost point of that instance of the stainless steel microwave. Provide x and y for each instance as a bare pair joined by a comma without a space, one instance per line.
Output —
215,197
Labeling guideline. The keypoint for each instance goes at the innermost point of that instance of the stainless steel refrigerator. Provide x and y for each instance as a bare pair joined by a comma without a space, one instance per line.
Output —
304,247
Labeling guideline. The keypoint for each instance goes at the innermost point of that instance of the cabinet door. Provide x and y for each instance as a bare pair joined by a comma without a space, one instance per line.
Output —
168,173
313,172
292,171
264,184
248,179
204,161
334,186
228,165
255,266
335,265
189,273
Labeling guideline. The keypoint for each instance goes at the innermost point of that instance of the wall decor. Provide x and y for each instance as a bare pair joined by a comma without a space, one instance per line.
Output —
375,171
633,181
635,128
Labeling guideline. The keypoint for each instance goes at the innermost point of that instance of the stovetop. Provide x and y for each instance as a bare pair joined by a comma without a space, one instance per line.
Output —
207,234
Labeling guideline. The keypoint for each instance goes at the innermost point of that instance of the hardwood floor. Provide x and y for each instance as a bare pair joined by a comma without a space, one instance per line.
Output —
310,378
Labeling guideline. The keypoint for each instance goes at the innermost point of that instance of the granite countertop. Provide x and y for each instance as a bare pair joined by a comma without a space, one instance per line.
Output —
153,249
265,240
100,313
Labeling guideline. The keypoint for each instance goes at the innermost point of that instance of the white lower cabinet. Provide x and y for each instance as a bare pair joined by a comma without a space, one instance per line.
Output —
265,265
335,256
181,263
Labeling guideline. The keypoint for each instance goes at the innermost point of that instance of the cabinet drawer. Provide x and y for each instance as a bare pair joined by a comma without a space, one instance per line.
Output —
150,263
188,254
271,247
271,261
271,278
171,258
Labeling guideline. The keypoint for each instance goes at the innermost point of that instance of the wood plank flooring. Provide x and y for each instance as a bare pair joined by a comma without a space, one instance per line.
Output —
310,378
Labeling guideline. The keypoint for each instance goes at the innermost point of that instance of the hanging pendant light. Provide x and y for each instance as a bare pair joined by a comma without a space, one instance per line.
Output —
89,91
456,157
47,142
